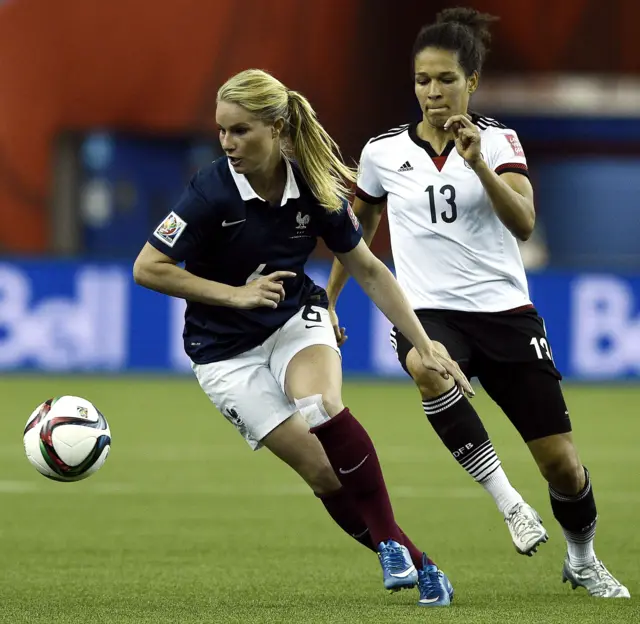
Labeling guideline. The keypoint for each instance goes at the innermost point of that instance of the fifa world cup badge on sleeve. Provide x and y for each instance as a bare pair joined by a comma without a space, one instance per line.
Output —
170,229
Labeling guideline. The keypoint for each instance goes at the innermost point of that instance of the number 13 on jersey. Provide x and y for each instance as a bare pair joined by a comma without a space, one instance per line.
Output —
449,193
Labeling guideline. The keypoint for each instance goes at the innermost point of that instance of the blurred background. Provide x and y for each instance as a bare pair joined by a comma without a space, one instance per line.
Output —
107,108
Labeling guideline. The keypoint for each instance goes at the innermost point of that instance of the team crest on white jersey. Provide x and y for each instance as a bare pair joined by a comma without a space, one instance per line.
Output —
303,221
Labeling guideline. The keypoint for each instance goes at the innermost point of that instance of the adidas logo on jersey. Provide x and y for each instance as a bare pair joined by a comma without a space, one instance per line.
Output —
406,167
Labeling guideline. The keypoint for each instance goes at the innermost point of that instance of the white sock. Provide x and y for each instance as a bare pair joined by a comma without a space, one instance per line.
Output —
503,493
580,553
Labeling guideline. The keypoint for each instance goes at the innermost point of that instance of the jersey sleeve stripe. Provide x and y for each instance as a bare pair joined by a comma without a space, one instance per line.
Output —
369,199
513,168
390,133
485,122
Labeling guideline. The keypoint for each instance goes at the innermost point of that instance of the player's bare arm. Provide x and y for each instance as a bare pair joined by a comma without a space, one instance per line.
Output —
511,194
369,216
159,272
383,289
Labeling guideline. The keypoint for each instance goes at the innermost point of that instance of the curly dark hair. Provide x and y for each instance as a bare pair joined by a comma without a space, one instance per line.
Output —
461,30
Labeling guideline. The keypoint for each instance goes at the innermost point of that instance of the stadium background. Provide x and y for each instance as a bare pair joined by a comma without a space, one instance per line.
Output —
106,108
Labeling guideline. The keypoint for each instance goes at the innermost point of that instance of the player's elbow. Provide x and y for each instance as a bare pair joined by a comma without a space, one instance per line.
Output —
138,273
141,272
524,233
525,227
369,270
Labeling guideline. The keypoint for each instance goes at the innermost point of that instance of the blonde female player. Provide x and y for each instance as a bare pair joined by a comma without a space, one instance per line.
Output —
257,328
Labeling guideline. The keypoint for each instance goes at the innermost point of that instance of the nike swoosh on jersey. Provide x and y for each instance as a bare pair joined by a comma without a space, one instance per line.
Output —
343,471
310,326
229,223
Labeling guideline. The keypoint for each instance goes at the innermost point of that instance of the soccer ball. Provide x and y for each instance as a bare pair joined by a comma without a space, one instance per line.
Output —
67,438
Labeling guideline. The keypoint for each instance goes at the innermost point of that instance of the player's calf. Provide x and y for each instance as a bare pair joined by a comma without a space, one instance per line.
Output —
459,427
558,462
344,512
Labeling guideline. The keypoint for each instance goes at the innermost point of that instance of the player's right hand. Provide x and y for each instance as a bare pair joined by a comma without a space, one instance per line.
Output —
341,336
433,360
266,291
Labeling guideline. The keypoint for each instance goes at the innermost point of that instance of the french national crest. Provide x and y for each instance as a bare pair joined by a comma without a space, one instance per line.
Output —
303,221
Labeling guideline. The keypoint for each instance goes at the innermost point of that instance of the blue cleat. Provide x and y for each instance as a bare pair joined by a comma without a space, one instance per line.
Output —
398,571
435,588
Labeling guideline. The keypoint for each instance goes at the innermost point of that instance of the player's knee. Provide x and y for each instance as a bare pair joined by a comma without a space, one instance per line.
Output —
332,403
563,471
430,383
318,408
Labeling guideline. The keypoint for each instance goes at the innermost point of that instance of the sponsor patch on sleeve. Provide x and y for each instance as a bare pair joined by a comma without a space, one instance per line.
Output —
352,216
170,229
516,146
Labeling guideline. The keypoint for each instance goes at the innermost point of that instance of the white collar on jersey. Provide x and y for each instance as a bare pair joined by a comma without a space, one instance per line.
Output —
291,190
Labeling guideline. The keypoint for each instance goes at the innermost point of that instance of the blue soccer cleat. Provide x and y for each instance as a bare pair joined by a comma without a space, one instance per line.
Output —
398,571
435,588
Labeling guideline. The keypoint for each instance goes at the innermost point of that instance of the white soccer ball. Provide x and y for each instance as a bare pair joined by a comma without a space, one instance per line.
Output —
67,438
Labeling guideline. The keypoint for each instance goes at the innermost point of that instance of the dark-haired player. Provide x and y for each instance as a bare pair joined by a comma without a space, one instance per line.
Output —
458,195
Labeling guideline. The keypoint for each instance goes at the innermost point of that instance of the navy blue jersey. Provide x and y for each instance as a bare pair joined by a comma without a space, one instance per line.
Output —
225,233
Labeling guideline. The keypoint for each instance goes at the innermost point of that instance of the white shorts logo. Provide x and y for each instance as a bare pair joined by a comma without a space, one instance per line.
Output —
170,229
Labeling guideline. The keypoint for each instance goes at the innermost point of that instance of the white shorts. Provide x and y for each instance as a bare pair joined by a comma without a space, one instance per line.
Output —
248,389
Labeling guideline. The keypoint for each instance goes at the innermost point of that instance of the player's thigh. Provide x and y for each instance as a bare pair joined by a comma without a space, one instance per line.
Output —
509,337
306,361
316,371
247,394
530,395
514,364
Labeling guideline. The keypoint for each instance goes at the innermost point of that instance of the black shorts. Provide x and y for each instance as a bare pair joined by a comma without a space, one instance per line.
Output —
510,355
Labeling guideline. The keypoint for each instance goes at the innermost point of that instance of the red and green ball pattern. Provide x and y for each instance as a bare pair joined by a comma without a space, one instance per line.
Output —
48,451
44,410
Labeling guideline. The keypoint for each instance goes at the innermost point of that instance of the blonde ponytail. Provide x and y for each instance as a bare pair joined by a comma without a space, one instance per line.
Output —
317,154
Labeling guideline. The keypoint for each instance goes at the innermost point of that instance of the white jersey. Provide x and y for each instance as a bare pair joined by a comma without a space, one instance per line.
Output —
450,249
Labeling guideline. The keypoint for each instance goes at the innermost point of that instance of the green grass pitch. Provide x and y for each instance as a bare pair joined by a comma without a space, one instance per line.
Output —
185,524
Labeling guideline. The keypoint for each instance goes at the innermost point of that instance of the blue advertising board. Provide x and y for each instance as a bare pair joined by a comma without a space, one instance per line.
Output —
77,316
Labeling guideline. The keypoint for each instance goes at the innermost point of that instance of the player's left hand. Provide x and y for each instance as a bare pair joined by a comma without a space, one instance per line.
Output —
467,138
340,332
